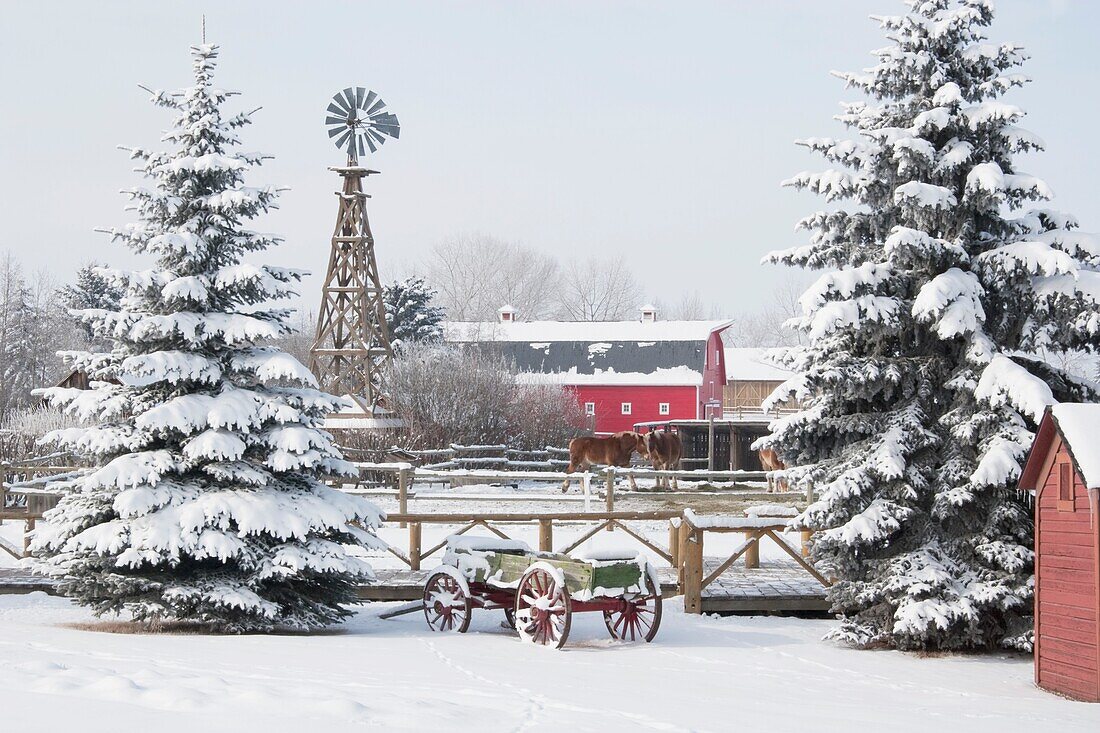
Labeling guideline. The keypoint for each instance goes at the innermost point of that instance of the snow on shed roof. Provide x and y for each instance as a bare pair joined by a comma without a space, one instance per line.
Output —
552,331
751,365
1079,424
672,377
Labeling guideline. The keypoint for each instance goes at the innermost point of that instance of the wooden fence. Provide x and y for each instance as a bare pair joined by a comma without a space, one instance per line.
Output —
490,457
602,521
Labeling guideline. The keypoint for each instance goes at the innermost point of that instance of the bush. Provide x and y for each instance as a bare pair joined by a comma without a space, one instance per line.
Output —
447,394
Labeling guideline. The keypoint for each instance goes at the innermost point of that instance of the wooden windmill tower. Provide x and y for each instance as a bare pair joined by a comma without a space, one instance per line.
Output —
351,348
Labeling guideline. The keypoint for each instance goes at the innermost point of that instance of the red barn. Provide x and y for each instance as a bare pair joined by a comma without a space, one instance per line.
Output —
622,372
1063,469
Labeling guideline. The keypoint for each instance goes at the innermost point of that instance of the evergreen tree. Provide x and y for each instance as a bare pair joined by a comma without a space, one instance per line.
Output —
411,314
91,290
920,385
205,503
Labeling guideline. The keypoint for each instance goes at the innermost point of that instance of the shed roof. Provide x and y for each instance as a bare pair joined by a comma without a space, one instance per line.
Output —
1079,425
751,365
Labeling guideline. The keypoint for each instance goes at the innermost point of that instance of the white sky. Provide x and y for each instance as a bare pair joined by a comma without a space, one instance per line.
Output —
657,130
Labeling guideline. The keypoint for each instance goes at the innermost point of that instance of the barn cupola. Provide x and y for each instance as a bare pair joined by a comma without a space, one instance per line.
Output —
649,313
507,314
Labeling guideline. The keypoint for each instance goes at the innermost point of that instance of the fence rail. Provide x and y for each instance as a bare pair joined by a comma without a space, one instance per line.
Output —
603,521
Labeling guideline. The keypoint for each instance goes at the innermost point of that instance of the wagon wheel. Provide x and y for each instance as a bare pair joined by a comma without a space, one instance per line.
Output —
510,617
446,603
543,609
638,617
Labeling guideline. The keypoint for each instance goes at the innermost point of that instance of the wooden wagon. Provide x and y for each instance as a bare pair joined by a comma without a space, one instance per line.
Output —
540,591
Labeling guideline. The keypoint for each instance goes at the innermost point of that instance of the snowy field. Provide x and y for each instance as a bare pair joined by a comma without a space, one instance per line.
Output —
701,674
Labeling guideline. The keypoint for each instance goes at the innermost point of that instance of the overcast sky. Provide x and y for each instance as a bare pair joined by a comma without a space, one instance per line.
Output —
659,131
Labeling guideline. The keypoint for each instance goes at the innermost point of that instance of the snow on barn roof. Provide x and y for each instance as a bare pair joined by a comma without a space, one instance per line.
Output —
672,377
751,365
586,331
1079,424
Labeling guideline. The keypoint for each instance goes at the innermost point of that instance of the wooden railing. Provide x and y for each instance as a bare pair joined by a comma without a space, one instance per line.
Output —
692,530
404,475
603,521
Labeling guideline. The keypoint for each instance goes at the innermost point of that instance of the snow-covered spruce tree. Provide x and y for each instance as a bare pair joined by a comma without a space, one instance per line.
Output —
91,290
919,386
411,313
205,504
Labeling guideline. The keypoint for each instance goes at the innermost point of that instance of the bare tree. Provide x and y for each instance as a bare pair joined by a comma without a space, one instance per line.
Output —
690,307
447,394
766,328
476,274
598,290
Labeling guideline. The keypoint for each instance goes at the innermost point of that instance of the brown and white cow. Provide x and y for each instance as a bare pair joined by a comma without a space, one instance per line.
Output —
770,462
664,450
612,450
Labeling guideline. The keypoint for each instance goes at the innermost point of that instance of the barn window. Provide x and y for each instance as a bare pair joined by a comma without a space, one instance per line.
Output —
662,408
1065,487
627,408
589,408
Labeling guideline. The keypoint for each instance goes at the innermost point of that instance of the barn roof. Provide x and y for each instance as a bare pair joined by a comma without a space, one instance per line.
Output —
672,377
600,352
583,331
1079,425
751,365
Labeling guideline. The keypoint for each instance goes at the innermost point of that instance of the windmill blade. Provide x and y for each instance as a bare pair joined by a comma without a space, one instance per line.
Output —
338,107
370,143
342,140
376,106
371,96
349,96
377,137
361,150
360,92
334,131
330,120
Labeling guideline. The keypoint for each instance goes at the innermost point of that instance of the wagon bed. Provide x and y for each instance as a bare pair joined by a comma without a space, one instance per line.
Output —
539,591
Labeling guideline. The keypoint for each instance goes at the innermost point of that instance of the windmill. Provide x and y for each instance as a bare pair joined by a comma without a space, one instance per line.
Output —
351,347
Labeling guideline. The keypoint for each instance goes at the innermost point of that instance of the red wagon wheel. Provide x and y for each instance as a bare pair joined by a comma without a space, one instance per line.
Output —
543,609
446,603
637,617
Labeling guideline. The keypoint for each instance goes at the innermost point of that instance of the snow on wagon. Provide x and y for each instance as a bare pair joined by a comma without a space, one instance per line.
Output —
540,591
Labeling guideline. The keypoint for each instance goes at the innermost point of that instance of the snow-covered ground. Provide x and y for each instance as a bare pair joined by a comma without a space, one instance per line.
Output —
704,674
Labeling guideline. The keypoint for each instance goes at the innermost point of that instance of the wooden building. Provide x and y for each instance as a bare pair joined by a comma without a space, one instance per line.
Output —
750,378
1063,469
621,372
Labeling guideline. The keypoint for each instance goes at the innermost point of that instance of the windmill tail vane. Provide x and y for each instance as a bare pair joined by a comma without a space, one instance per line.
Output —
357,122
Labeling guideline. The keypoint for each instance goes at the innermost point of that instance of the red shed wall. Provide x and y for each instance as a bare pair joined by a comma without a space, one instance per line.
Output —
1066,576
645,404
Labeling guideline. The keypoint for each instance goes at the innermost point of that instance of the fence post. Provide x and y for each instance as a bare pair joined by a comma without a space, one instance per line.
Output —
674,544
26,536
610,492
586,485
691,559
752,553
403,492
414,545
546,535
807,534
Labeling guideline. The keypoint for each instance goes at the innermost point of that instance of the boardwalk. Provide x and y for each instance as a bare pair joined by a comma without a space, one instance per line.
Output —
774,586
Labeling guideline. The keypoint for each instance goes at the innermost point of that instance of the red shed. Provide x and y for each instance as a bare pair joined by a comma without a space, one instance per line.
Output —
1063,469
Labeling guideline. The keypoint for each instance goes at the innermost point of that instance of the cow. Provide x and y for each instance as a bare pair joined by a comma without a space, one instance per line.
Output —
612,450
664,450
769,460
